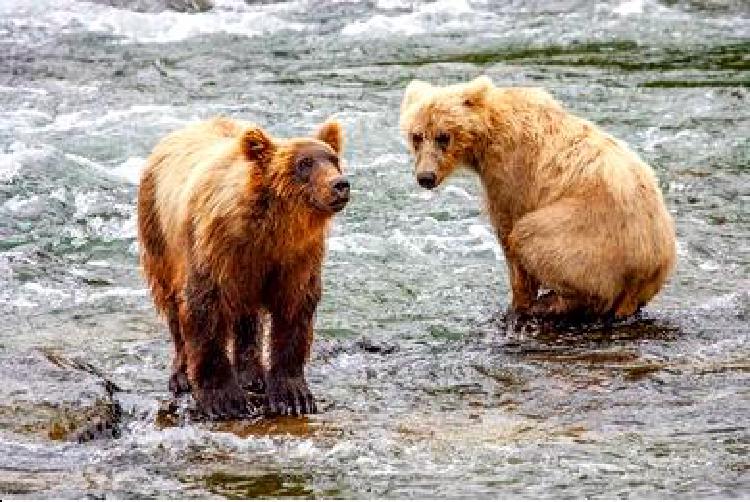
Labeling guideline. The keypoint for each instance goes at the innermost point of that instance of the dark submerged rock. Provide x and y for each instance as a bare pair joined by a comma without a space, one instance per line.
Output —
48,394
154,6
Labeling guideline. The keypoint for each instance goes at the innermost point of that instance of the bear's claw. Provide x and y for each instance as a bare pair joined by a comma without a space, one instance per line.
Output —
222,403
289,396
178,383
252,380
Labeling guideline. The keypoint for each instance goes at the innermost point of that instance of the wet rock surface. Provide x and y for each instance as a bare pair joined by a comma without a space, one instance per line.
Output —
57,398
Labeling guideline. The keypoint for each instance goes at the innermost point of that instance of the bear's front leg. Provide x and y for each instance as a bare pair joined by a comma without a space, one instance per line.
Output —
524,288
287,392
248,332
205,329
292,309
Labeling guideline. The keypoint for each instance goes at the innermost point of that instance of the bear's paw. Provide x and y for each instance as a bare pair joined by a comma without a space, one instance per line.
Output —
289,396
222,403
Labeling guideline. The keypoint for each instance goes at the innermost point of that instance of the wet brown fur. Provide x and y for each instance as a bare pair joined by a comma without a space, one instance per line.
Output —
576,210
227,234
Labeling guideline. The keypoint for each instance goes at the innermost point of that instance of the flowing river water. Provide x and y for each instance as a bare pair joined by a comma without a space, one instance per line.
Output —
424,388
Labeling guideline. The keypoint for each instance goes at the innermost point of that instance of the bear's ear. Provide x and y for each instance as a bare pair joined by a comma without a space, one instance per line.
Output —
413,91
331,133
256,145
476,91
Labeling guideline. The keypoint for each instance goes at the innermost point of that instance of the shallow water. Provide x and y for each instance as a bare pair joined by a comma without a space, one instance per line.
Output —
425,388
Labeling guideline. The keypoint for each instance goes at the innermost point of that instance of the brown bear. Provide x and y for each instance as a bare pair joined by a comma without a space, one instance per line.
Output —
576,211
232,224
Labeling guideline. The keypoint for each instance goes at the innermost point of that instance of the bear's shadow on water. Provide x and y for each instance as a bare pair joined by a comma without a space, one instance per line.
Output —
251,485
519,348
182,411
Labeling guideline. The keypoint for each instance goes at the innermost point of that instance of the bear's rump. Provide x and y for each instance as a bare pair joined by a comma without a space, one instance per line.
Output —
586,248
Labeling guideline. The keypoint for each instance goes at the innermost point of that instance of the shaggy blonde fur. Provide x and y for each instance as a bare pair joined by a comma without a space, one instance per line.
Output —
576,210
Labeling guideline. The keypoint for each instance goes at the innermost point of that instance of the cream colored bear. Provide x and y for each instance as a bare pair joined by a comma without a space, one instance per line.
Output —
577,212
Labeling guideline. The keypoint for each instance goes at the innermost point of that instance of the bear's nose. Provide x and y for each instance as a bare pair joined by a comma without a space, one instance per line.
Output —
427,179
340,187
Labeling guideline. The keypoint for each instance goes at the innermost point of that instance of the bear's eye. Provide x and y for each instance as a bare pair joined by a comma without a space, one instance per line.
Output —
416,140
304,166
335,162
442,140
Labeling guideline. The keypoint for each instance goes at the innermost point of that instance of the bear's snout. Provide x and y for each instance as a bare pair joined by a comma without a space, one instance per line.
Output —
427,179
340,190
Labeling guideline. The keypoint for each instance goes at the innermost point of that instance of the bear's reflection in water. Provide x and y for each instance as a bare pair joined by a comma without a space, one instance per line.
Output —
179,412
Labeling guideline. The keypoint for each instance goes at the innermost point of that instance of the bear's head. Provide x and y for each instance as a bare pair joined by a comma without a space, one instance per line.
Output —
302,171
444,126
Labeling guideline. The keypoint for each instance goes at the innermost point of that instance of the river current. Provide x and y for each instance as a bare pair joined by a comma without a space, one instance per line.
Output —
425,389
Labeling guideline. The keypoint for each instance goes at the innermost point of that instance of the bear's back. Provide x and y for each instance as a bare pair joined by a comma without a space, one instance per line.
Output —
186,159
531,96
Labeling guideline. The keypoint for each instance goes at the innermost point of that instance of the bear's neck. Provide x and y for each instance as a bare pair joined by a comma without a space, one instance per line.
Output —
506,194
291,226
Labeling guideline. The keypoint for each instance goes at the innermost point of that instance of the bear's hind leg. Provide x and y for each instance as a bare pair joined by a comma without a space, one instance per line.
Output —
248,331
178,380
573,249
